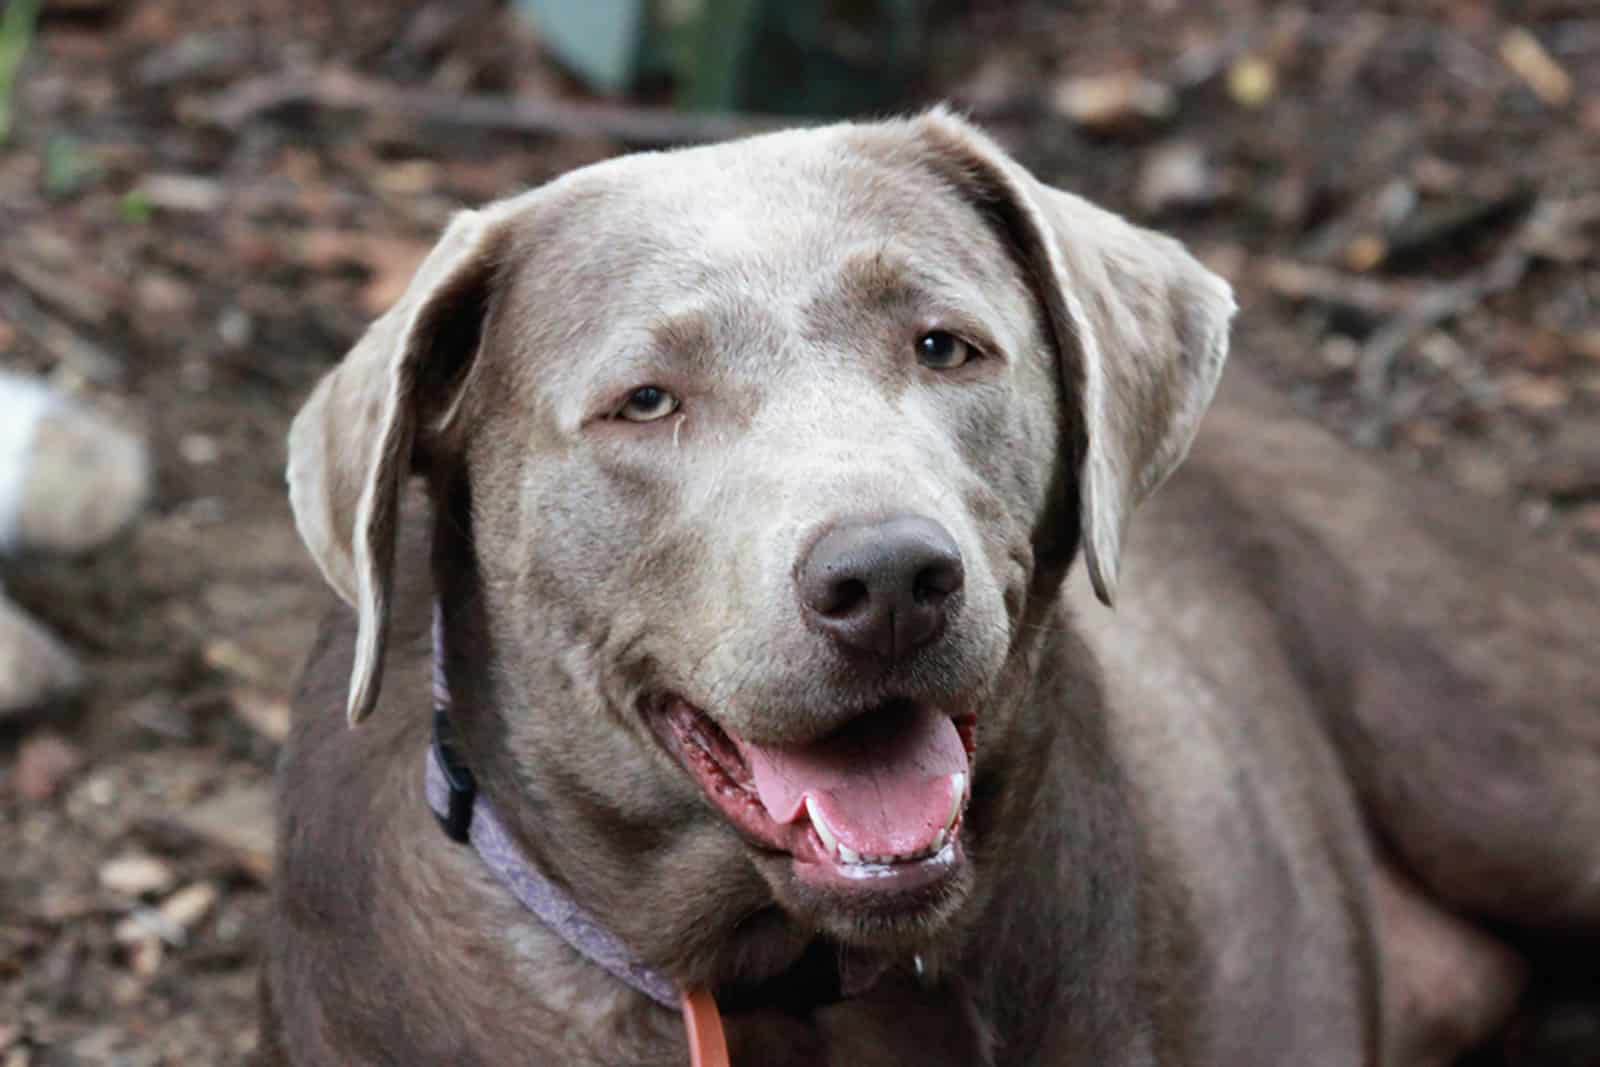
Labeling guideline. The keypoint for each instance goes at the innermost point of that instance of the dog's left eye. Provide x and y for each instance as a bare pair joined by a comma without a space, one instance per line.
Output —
647,404
942,350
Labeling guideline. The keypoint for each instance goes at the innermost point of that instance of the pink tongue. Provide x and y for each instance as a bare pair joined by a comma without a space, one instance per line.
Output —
882,783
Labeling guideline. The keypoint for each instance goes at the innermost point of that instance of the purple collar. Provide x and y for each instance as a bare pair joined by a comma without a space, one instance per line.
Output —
468,817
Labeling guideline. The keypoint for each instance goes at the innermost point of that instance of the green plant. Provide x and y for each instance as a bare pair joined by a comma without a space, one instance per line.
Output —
796,57
16,34
67,168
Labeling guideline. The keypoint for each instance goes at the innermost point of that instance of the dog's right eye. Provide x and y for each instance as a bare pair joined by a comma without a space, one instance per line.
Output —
647,404
942,350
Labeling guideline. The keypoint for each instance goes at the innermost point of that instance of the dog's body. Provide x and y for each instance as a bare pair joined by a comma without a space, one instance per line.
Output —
1188,819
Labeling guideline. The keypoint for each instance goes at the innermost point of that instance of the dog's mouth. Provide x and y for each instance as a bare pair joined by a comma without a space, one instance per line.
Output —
874,808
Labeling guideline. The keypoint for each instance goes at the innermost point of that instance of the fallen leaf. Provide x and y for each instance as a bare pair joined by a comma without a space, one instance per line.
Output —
137,875
1568,467
1112,101
190,194
1535,395
1480,473
239,820
230,657
1587,345
159,293
411,178
44,762
1177,175
1522,52
325,249
1365,252
184,909
391,262
1587,522
1435,176
1252,81
265,713
140,937
198,449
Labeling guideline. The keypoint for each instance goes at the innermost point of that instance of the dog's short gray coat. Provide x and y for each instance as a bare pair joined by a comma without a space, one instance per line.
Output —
1255,815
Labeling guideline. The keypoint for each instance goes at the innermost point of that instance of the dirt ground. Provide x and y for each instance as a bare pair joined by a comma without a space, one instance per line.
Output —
202,204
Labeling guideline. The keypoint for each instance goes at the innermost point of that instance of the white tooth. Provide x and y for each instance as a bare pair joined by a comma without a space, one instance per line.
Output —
938,842
958,795
818,823
848,854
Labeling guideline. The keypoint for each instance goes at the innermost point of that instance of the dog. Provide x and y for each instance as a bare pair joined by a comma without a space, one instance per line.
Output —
725,537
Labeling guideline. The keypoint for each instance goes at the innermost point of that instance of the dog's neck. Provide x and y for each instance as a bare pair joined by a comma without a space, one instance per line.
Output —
471,819
817,978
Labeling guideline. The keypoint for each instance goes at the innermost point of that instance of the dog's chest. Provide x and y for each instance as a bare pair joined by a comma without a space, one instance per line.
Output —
936,1027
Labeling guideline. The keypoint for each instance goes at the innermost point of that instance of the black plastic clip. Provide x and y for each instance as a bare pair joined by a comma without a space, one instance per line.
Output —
457,818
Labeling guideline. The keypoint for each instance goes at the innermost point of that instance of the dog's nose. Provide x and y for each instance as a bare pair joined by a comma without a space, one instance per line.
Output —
882,586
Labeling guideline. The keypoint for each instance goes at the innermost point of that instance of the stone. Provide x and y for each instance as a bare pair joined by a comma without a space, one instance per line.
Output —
69,480
36,669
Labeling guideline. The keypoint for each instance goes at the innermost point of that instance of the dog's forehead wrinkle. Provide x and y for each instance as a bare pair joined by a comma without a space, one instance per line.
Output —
888,269
721,261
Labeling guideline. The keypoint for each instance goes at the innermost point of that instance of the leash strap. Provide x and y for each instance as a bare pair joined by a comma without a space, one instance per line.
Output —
702,1022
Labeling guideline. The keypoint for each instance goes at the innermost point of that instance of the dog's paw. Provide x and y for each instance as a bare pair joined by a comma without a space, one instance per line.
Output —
69,480
35,668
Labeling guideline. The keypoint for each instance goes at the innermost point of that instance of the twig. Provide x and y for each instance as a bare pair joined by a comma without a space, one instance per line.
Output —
1350,54
1435,308
340,89
63,294
1427,228
1297,281
65,344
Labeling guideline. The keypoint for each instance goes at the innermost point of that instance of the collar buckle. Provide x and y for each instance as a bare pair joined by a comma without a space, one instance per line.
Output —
456,819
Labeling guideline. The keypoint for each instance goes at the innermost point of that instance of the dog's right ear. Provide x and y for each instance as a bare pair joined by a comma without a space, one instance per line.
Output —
352,446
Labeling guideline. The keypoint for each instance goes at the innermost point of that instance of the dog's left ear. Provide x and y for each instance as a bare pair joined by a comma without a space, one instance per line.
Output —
1141,327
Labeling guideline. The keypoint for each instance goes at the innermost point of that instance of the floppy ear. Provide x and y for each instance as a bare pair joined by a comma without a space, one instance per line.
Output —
1140,325
352,445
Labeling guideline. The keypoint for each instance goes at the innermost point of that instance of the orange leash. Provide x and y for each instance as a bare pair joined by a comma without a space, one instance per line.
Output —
703,1023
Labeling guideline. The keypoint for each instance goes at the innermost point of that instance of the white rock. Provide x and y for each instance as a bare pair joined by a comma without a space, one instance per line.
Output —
69,480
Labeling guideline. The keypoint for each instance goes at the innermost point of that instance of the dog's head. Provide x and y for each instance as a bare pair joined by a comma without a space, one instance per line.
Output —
753,462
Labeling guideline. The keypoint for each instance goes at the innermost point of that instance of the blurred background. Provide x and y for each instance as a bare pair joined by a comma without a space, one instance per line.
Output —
202,203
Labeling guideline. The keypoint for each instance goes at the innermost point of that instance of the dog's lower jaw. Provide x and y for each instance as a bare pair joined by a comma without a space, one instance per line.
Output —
907,923
799,809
